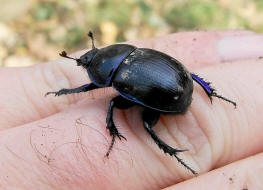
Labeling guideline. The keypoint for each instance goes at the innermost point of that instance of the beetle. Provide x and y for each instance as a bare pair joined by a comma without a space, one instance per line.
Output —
144,77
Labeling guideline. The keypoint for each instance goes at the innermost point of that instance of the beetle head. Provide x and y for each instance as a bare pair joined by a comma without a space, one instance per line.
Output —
85,59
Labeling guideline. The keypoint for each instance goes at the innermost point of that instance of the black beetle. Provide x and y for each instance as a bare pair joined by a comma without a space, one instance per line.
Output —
145,77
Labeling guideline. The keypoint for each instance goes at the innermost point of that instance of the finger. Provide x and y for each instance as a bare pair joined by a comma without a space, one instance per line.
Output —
245,174
24,88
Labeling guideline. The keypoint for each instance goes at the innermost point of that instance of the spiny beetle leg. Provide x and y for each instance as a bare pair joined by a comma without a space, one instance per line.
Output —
84,88
120,103
150,118
209,90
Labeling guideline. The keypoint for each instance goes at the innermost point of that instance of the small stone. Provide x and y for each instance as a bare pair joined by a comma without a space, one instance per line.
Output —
12,9
3,52
109,32
7,36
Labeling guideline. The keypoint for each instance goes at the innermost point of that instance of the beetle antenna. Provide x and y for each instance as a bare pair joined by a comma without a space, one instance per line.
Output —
90,34
64,54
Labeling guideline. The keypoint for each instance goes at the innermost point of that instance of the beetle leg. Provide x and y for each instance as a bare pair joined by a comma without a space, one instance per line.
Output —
209,90
121,103
83,88
150,118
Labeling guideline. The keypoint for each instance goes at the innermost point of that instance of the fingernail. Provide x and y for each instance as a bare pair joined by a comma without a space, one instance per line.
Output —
240,47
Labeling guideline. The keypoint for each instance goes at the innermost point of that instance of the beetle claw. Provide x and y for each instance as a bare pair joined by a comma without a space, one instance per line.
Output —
49,93
184,150
121,136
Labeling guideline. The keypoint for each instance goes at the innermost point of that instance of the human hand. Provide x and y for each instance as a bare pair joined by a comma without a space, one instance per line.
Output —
60,143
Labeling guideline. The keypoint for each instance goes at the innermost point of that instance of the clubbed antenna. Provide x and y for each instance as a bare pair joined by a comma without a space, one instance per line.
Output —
64,54
90,34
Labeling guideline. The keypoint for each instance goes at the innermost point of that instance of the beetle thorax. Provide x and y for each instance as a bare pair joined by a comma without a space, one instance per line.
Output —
106,62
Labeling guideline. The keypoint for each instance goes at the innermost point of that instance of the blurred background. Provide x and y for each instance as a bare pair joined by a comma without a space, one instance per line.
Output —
35,31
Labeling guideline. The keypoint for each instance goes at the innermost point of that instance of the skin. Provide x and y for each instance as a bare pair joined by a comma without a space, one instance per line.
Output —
60,143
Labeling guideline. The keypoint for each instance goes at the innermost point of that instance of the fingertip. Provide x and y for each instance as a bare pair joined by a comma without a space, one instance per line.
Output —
232,48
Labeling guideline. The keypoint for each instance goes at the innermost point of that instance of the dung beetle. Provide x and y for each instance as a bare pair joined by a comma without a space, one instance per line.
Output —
144,77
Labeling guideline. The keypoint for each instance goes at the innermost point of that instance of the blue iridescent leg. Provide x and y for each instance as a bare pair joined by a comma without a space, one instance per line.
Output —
209,90
83,88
